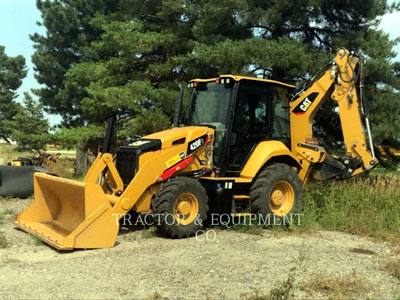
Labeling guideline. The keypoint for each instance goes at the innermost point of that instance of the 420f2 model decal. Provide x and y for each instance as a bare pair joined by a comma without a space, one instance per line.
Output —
305,104
197,143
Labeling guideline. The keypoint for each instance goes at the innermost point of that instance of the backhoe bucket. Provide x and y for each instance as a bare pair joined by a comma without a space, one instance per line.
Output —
69,214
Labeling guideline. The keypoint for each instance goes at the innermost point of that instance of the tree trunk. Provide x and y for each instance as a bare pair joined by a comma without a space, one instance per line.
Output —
81,163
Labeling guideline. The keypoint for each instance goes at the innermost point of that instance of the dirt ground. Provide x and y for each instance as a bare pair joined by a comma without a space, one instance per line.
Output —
145,266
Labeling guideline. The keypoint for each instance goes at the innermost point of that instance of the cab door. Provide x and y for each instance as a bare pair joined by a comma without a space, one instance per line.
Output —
261,113
251,123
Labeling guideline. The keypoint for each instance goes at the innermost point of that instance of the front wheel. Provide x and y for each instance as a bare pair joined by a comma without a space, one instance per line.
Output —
180,207
277,190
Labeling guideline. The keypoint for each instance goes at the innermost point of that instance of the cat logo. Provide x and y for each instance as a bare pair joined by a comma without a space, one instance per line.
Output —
305,104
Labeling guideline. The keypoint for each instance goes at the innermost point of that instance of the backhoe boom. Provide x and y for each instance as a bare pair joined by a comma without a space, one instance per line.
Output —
340,81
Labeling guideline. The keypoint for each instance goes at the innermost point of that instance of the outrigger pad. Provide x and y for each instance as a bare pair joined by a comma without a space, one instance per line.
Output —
17,181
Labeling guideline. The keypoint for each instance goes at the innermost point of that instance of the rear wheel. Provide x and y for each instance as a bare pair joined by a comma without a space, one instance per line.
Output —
277,191
180,207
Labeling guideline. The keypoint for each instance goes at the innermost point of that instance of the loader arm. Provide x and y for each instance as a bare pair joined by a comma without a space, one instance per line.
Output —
68,214
339,81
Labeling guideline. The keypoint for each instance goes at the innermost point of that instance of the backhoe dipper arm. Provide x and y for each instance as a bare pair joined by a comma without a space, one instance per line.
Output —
340,81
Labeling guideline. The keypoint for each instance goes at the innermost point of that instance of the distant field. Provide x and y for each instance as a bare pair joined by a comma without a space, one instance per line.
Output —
65,163
8,153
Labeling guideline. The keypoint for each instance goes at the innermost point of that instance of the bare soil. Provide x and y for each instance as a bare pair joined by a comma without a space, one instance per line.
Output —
145,266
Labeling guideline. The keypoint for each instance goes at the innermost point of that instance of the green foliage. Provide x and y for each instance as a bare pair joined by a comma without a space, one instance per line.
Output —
29,128
147,122
125,58
365,205
282,290
36,241
385,112
68,138
12,71
250,55
69,33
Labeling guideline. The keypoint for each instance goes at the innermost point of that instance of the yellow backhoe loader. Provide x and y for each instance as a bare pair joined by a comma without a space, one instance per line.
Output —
243,146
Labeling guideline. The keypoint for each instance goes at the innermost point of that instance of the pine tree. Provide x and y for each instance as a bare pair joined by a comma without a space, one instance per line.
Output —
12,71
69,33
29,127
125,58
292,40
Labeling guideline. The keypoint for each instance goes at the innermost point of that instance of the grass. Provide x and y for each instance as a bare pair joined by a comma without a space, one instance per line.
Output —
149,233
155,296
7,148
282,290
8,153
6,212
332,286
392,267
335,286
65,163
3,241
36,241
285,289
365,205
65,166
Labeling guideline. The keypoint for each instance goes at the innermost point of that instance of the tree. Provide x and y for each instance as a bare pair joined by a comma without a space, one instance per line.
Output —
125,58
69,34
12,71
29,127
129,70
292,40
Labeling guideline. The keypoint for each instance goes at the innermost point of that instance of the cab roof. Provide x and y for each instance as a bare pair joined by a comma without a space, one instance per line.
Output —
238,78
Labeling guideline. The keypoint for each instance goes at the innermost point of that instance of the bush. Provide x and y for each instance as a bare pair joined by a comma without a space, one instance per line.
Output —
366,205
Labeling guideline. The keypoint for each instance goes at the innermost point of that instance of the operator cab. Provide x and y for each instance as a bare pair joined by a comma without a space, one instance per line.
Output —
243,111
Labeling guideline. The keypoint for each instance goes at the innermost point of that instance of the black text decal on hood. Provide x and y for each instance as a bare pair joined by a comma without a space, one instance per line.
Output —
196,143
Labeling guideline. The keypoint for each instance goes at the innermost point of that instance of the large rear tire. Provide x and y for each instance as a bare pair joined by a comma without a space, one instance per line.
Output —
180,207
277,190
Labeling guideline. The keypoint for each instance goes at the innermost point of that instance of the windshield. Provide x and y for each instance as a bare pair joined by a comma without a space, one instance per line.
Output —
209,106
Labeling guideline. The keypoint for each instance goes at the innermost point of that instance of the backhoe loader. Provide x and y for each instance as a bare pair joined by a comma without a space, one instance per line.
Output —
243,147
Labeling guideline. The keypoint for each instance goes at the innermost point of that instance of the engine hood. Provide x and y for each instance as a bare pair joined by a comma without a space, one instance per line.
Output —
179,135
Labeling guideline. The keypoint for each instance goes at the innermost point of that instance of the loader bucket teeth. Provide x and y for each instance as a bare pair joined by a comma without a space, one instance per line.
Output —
68,214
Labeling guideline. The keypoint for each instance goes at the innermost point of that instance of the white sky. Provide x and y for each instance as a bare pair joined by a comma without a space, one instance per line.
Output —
390,23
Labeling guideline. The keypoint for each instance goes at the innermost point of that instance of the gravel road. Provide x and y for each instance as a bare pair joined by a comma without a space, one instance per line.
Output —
145,266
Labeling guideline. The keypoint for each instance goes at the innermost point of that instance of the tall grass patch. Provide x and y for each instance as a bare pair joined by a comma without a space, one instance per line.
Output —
8,153
66,166
365,205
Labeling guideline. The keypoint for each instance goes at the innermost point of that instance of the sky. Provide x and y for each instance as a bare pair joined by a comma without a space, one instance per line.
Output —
18,20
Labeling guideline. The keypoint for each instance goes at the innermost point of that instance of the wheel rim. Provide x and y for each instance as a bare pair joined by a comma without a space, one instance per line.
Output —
186,208
281,199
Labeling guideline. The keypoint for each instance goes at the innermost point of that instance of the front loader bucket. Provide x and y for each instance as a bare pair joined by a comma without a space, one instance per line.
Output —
69,214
